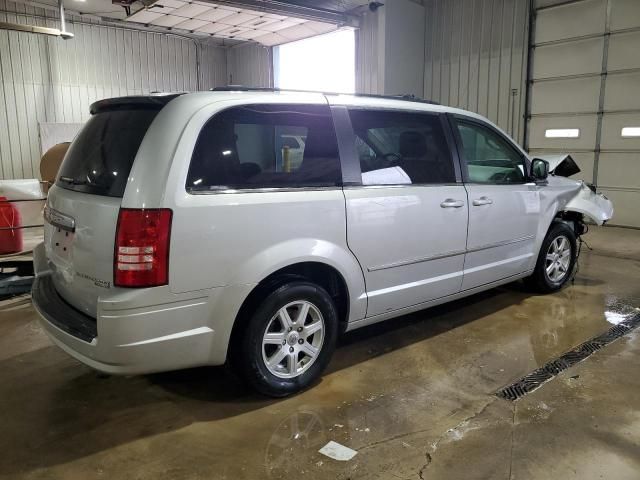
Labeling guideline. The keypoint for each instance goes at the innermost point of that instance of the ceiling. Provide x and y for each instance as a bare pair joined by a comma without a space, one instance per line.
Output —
268,22
223,21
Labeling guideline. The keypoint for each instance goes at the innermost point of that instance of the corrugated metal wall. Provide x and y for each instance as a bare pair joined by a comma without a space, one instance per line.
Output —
47,79
476,58
250,65
213,66
369,47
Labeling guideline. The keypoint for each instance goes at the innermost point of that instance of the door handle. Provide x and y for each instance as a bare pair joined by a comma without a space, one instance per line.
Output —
451,203
482,201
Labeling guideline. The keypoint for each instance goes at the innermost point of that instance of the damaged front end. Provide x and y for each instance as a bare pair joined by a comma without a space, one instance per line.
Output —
591,204
587,201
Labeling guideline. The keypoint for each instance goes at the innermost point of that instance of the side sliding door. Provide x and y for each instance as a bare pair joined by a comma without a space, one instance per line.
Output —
407,216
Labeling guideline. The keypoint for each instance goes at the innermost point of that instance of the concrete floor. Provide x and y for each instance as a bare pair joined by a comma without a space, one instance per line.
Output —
413,396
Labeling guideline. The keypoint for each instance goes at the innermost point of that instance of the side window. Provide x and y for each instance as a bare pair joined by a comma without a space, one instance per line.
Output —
489,157
257,146
398,148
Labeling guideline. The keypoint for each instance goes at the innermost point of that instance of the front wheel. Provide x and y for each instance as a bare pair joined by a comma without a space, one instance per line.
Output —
289,339
556,259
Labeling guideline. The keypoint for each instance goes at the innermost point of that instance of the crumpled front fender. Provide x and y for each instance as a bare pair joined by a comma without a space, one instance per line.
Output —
590,204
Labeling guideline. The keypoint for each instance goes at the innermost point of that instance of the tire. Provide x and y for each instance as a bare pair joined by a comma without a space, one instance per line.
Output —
276,369
560,239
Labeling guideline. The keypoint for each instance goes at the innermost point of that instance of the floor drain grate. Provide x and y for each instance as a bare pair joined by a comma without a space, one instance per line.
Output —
537,378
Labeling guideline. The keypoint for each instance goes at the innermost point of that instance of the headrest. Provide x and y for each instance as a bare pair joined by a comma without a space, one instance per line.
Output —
412,144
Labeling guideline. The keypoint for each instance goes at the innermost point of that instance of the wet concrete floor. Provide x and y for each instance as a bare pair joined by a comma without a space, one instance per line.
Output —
413,396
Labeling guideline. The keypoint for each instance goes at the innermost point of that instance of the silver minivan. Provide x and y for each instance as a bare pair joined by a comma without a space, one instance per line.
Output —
188,230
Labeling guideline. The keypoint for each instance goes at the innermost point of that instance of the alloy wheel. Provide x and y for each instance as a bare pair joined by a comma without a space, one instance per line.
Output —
558,259
293,339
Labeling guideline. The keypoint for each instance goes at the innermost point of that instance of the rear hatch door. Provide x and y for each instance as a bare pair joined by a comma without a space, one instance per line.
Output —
82,208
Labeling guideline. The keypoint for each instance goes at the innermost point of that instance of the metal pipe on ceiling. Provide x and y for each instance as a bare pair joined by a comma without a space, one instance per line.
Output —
63,27
55,32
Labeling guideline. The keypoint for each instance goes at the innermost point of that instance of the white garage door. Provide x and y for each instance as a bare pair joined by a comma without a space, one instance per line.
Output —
584,100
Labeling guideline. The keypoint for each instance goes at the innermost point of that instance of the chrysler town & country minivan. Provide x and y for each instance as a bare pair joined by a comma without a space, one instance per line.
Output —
180,231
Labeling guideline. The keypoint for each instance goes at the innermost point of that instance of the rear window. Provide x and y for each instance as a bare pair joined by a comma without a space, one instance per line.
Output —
401,148
100,158
258,146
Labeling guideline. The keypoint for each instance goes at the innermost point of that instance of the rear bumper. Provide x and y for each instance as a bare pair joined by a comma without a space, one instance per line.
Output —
130,336
59,313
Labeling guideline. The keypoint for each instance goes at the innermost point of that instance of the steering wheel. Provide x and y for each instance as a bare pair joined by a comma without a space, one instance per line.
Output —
510,176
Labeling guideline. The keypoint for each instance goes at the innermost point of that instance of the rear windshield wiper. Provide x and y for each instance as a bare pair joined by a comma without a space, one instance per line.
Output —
86,183
73,181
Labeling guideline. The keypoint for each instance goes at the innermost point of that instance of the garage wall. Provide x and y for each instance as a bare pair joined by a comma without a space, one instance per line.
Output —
250,65
369,54
390,49
476,58
586,76
47,79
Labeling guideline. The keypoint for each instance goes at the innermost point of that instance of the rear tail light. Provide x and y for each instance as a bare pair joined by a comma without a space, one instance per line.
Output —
141,256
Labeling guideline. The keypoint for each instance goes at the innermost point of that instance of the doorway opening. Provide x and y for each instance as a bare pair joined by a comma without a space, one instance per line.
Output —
324,63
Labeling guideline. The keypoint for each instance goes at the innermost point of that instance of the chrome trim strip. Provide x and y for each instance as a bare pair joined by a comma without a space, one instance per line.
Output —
407,185
497,264
173,336
418,283
355,324
60,220
403,263
500,244
260,190
302,189
452,253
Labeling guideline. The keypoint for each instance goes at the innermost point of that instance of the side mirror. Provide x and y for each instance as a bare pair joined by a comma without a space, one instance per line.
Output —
539,169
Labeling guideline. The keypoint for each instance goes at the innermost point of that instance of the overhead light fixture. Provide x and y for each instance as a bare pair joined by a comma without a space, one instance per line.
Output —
630,132
562,133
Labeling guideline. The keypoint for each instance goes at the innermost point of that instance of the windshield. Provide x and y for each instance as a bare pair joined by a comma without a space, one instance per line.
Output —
100,158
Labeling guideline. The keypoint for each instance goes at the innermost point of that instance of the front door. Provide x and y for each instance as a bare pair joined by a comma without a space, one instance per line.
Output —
407,222
503,207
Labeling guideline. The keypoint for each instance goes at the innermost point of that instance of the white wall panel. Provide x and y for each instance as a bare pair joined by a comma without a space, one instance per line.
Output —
213,67
618,89
602,85
390,50
47,79
623,51
565,96
572,58
404,47
369,53
250,65
625,203
614,168
625,14
571,20
476,58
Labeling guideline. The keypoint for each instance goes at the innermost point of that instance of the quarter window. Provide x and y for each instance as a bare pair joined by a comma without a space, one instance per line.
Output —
257,146
398,148
489,157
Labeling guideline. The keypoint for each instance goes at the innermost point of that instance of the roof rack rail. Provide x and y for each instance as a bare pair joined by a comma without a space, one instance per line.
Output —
409,97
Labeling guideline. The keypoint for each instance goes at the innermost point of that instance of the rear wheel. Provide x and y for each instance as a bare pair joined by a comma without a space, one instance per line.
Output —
556,259
289,339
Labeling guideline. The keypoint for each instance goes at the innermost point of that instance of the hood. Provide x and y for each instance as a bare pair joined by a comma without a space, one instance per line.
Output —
562,165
